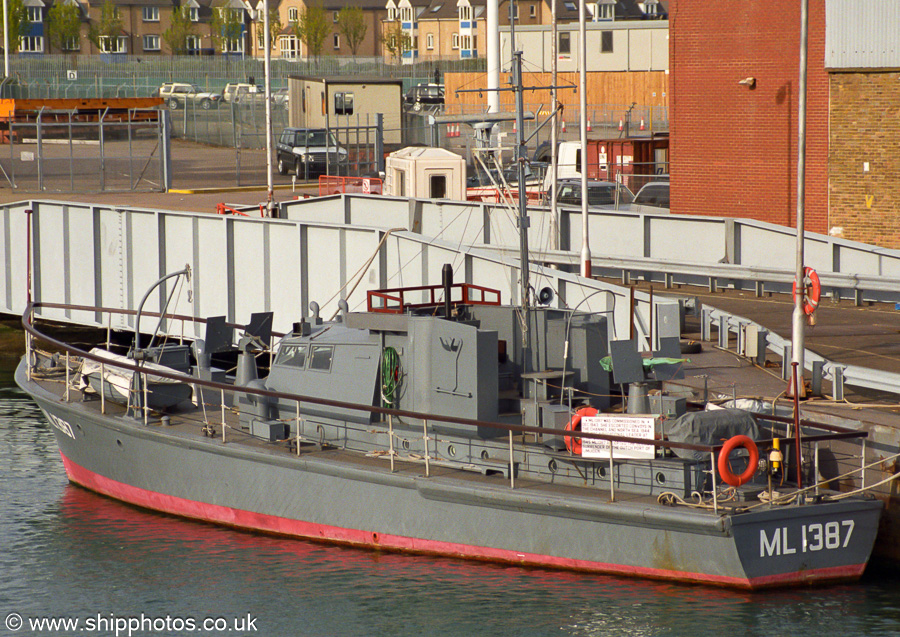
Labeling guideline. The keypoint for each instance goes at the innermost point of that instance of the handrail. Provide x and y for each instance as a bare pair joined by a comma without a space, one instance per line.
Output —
326,402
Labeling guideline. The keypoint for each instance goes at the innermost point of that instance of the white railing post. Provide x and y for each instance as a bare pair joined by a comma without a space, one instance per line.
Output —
612,482
103,388
712,456
863,463
146,406
298,428
222,393
425,439
512,463
67,376
816,477
391,440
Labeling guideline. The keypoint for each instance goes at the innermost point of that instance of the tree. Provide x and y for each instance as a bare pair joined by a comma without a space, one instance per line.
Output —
17,23
64,26
312,28
226,28
396,40
180,27
351,23
108,28
275,27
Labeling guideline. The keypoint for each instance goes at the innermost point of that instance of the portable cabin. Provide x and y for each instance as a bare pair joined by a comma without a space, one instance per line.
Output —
425,172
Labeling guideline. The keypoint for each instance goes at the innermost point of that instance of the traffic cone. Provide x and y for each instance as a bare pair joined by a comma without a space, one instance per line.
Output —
589,126
562,128
643,126
449,130
621,125
456,131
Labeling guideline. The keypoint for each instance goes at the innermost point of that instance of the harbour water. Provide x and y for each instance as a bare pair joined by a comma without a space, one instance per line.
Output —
68,554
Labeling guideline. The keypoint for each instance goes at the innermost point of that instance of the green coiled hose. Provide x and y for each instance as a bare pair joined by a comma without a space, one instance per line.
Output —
390,377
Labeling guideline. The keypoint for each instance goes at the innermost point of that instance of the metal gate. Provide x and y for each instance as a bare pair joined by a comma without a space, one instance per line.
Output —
99,151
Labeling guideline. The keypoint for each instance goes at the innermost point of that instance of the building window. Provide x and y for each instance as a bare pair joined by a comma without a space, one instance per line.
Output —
392,14
194,15
289,46
113,45
334,16
429,41
34,14
564,46
454,41
293,14
651,7
192,43
343,103
437,184
71,43
532,11
606,42
337,41
31,44
233,45
465,13
406,14
150,14
466,42
606,11
151,43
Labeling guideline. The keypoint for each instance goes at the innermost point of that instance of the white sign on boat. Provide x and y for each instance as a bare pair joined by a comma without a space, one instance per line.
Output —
624,425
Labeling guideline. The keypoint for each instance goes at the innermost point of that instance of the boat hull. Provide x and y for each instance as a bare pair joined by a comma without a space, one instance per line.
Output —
316,498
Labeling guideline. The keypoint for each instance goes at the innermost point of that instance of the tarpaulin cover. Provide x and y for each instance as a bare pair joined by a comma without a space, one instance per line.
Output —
709,428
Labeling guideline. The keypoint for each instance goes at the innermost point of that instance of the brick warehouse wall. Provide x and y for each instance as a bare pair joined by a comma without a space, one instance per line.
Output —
865,127
734,149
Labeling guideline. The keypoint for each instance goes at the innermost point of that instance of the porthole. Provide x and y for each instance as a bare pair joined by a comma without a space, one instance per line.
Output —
405,445
451,451
600,472
552,466
485,455
660,478
119,442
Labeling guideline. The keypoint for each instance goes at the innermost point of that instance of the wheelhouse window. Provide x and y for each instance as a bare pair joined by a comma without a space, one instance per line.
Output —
320,357
292,356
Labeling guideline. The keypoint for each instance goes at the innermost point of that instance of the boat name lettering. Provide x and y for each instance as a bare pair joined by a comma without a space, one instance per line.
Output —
61,424
813,537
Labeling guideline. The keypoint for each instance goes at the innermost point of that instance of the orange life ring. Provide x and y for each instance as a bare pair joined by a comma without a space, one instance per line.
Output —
725,471
812,291
574,444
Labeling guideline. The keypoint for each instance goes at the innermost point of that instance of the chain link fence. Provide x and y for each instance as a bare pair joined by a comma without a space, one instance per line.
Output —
72,152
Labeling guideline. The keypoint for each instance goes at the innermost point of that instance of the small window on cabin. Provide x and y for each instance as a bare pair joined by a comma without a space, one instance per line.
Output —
320,357
606,42
343,103
292,355
438,186
565,44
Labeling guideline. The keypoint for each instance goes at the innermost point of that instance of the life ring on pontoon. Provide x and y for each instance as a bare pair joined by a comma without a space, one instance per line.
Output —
725,471
574,444
812,291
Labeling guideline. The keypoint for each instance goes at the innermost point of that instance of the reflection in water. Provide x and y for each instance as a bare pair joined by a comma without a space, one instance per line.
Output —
71,552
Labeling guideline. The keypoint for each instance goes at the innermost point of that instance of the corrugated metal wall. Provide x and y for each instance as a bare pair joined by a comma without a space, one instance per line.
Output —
862,34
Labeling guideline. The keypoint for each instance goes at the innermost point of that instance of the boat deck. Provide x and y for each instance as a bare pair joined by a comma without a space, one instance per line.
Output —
189,423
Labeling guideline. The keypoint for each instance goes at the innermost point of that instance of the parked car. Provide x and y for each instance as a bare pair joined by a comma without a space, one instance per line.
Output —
424,94
239,92
180,94
281,98
310,151
600,193
654,194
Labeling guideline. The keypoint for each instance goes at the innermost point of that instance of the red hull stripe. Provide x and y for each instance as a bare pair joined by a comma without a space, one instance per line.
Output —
297,528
